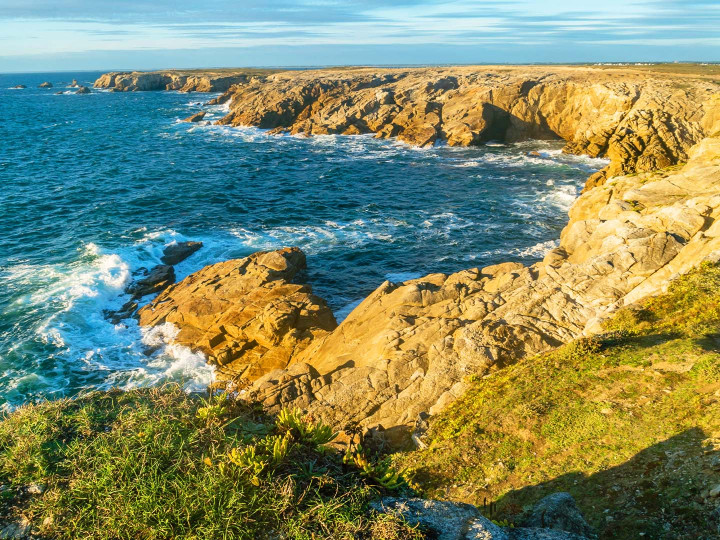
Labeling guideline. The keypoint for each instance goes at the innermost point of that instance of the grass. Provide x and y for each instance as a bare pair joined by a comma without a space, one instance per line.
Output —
158,463
628,422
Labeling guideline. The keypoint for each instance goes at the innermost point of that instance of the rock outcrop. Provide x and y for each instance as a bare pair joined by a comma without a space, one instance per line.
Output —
246,315
83,90
409,348
641,121
45,85
158,278
178,252
182,81
197,117
447,520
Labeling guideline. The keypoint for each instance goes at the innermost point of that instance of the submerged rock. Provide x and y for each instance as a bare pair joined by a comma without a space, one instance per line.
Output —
19,87
246,315
176,253
197,117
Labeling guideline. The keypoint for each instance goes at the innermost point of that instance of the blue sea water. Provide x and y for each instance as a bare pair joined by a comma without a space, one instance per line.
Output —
92,187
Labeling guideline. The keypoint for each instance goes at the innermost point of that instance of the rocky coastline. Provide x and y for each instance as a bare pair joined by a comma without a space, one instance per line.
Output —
641,120
408,349
578,395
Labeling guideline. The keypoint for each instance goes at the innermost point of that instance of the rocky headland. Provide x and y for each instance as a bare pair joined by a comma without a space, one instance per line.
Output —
408,349
182,81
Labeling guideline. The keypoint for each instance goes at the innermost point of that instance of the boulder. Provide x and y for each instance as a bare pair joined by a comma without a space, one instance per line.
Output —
158,278
197,117
715,518
82,90
446,520
18,530
45,85
176,253
560,512
74,84
246,315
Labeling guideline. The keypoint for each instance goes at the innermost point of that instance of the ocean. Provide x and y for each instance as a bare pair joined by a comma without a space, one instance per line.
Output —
92,187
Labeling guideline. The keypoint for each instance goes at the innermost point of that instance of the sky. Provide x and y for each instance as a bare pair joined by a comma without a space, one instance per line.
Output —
68,35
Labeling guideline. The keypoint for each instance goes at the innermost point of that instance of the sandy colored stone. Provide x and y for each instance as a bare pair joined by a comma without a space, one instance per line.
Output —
203,81
197,117
246,315
642,121
409,348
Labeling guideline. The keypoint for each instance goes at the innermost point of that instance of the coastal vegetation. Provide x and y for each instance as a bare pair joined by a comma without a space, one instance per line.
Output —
628,422
158,463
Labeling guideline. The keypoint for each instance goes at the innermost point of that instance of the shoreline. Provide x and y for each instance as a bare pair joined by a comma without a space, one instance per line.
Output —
408,347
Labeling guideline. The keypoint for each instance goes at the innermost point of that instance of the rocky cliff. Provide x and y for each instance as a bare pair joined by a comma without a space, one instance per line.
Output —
409,348
642,121
182,81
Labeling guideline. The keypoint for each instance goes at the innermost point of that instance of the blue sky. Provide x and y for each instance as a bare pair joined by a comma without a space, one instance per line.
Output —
41,35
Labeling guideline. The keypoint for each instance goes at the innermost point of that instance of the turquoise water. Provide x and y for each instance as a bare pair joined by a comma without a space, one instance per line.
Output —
92,187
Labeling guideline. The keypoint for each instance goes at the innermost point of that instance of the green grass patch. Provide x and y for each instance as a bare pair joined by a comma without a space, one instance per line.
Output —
158,463
628,422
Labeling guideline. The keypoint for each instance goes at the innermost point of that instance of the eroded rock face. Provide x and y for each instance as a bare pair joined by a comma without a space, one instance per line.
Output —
409,348
641,121
207,81
246,315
